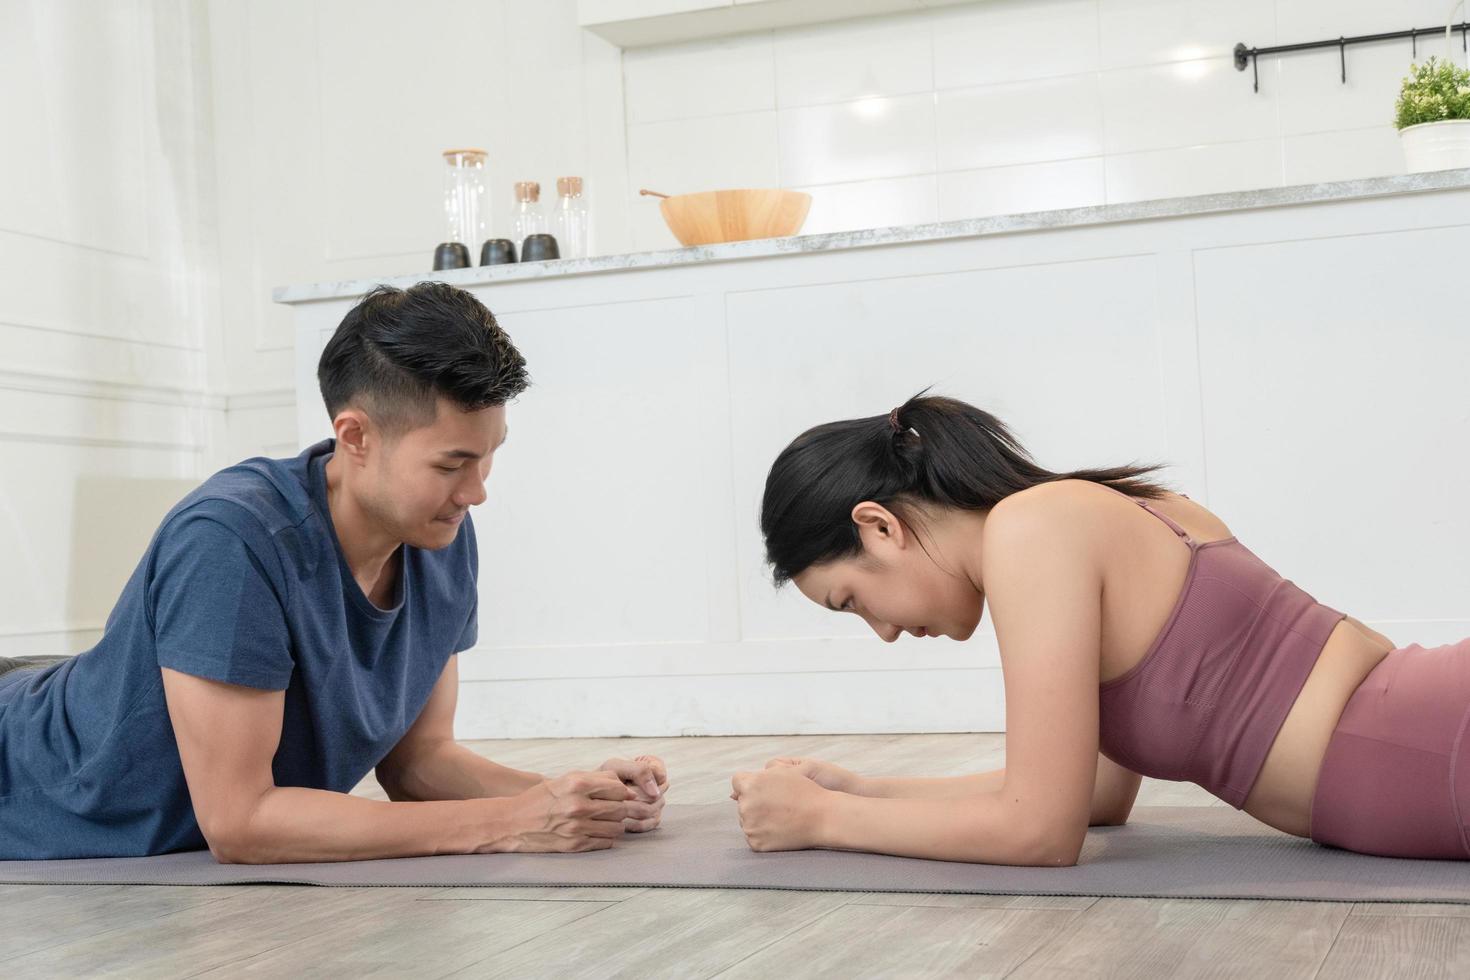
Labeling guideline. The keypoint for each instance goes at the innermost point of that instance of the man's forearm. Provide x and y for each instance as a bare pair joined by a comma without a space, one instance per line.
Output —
983,829
449,771
291,824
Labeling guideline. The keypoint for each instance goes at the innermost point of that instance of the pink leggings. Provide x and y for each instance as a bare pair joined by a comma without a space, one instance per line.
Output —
1396,777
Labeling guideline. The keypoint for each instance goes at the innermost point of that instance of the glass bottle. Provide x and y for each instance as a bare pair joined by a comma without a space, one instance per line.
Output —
466,197
570,222
527,218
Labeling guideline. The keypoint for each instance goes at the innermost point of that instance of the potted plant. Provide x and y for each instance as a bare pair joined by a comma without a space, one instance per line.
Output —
1433,116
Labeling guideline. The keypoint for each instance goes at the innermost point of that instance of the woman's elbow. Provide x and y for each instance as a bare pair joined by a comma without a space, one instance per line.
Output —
1057,850
1059,859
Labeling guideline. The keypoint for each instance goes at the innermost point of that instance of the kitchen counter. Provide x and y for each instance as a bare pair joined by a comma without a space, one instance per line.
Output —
1272,197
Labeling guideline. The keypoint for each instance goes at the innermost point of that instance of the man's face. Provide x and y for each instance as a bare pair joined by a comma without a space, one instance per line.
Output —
420,484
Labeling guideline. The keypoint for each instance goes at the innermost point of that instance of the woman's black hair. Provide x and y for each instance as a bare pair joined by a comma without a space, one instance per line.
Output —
398,350
932,450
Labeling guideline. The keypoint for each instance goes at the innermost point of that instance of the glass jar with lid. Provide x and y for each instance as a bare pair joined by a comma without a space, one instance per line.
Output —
466,197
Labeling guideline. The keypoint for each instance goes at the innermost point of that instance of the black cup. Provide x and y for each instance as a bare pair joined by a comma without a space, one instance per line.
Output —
497,251
451,255
538,247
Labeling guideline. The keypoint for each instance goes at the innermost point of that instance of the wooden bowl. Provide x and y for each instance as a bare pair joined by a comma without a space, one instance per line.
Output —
734,216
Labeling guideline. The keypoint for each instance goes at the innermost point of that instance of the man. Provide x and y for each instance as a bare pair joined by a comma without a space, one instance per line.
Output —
295,623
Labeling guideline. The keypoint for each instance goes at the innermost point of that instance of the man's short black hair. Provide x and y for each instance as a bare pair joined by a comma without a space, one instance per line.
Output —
398,350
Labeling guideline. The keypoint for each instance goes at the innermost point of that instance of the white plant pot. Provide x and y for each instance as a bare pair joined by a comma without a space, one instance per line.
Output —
1442,145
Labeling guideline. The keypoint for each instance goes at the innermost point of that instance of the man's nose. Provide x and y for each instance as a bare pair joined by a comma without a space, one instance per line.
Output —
471,495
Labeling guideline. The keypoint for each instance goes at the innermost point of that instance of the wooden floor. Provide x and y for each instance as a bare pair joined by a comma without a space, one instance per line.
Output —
303,931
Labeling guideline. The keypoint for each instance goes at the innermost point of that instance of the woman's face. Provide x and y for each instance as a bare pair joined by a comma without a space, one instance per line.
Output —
898,585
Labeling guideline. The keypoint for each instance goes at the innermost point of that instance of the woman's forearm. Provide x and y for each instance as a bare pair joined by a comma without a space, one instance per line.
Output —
940,787
984,829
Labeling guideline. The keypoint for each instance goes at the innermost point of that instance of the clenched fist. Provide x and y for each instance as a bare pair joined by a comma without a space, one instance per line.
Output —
781,809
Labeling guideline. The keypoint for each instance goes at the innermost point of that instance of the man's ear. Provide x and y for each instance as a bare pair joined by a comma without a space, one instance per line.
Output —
353,430
877,526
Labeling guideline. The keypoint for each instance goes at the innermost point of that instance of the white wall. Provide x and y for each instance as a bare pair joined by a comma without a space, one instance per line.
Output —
164,163
107,310
330,118
1019,105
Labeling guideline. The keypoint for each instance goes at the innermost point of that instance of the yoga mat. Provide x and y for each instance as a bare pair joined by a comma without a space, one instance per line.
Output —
1162,852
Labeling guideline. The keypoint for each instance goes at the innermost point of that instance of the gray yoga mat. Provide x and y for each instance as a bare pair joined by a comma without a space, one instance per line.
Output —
1162,852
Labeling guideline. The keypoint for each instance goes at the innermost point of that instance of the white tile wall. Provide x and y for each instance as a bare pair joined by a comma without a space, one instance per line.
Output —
709,78
1342,154
859,60
1209,169
1024,122
861,140
1013,40
1312,20
872,204
1184,103
1013,190
1145,32
1018,105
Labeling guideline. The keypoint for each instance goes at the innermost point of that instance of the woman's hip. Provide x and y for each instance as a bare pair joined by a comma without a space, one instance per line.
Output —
1395,780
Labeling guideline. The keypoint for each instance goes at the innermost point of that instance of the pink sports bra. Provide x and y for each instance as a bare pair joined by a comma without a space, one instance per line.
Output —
1207,699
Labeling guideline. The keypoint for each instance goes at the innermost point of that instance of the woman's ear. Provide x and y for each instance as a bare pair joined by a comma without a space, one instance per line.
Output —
877,526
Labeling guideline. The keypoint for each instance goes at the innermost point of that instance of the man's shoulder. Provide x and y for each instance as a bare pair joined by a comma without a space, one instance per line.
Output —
257,501
257,495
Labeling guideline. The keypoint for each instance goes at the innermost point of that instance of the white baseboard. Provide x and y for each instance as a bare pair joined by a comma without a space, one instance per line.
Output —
827,702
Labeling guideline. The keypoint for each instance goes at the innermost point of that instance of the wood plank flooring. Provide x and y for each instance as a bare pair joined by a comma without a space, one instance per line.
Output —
301,931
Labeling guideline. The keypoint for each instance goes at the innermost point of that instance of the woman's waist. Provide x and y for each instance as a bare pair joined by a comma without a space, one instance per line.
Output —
1282,793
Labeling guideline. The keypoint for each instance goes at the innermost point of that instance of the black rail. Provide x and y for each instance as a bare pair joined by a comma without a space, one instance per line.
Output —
1247,56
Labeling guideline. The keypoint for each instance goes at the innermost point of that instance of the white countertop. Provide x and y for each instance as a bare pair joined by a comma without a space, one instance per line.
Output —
867,238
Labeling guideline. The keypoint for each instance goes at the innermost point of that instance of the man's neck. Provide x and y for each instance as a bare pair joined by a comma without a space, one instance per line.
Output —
366,547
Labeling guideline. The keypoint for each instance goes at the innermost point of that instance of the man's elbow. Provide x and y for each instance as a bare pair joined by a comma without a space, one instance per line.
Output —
230,846
233,837
392,782
398,773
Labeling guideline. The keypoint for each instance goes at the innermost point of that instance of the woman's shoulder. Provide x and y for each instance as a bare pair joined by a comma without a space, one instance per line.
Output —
1061,515
1057,500
1083,507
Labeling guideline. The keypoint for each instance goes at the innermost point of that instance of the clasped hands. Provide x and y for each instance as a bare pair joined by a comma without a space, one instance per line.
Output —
587,811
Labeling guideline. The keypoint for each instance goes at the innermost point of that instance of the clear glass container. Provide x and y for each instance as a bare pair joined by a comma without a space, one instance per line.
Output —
466,197
527,218
571,220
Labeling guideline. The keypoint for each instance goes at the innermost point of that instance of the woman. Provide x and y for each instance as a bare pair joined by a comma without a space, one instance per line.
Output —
1137,637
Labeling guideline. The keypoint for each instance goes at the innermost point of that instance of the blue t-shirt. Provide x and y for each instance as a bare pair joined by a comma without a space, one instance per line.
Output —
244,582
